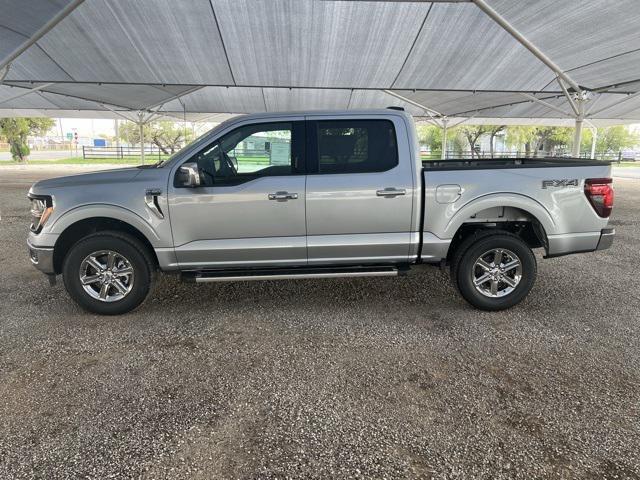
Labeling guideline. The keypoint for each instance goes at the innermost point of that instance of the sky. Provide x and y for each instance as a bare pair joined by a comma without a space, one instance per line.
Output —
85,127
95,127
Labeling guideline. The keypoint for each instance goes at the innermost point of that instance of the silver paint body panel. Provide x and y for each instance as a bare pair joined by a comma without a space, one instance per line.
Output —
347,222
336,219
569,221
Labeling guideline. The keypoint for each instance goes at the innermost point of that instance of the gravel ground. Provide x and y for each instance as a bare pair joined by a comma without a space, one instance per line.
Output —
361,378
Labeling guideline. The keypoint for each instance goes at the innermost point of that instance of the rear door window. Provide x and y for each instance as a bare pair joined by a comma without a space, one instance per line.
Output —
355,146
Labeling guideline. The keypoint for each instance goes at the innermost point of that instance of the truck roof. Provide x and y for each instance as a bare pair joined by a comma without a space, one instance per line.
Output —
376,111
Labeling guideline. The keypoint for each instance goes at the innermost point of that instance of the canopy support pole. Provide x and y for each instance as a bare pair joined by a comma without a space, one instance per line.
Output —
112,110
500,20
26,92
464,120
116,127
577,134
572,103
43,30
445,121
141,130
622,100
546,104
430,111
174,97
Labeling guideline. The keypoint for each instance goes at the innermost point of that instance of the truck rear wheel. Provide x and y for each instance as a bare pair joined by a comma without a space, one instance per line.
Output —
108,273
494,271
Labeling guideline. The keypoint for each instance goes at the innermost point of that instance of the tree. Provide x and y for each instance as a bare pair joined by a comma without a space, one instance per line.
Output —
533,138
610,139
521,136
166,135
129,132
16,131
430,136
556,137
472,133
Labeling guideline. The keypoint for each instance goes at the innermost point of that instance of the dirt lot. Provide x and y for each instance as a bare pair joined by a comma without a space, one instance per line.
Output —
381,378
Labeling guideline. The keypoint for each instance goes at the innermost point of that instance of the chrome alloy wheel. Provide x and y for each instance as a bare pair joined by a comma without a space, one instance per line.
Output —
106,275
496,273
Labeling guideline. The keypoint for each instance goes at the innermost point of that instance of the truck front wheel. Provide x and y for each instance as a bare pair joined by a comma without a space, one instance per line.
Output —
108,273
494,271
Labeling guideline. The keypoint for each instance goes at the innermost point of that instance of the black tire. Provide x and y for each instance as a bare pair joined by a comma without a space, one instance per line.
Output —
464,269
135,252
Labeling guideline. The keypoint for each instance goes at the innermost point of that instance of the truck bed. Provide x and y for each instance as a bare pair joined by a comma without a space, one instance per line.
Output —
548,191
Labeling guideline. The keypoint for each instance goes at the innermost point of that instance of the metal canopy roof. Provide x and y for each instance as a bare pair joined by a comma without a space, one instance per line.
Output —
486,60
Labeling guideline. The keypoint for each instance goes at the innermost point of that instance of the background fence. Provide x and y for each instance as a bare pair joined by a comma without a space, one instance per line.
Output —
261,156
479,155
151,153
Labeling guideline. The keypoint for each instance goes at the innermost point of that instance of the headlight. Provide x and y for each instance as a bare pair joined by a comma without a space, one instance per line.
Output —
41,210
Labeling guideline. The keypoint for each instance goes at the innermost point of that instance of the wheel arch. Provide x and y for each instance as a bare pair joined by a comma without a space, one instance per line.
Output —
528,205
79,229
513,213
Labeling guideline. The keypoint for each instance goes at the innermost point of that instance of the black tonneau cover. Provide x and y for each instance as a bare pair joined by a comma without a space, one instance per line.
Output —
502,163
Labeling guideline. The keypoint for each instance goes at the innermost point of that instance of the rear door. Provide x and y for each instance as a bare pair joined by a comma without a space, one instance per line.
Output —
360,195
250,209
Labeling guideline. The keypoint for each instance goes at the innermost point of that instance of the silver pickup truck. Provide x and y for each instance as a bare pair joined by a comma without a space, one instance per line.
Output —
313,195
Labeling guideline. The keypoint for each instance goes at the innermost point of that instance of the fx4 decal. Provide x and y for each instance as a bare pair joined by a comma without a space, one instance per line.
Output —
560,183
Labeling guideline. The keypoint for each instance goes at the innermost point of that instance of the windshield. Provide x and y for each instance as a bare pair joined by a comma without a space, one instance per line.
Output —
192,142
164,162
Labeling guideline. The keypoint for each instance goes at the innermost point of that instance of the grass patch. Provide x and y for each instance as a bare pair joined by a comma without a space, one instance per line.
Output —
128,160
626,164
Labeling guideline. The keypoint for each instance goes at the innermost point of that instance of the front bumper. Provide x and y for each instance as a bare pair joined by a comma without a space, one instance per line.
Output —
42,258
606,238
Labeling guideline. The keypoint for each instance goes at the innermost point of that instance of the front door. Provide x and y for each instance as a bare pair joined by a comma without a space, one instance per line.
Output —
250,209
360,197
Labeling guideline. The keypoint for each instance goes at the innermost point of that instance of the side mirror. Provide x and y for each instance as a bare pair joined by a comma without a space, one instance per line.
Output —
188,175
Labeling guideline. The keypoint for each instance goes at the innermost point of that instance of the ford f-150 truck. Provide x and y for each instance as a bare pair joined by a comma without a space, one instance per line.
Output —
313,195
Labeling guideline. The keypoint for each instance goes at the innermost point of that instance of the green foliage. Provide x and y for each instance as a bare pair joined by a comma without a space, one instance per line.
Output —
531,139
16,131
166,135
472,133
430,136
610,139
129,132
521,137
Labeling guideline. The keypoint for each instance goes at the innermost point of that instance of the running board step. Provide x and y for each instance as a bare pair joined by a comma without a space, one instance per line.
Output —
282,274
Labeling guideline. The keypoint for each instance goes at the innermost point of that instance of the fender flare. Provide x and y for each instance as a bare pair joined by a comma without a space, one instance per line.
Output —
87,212
514,200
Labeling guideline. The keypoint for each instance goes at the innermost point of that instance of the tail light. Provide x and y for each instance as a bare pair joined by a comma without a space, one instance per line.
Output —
599,192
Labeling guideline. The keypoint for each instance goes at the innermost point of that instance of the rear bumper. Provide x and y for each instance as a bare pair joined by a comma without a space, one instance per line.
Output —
567,244
42,258
606,238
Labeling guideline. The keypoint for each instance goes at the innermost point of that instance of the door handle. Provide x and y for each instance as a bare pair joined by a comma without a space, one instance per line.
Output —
391,192
283,196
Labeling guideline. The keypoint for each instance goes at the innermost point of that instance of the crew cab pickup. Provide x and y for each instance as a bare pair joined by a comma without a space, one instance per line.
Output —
313,195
